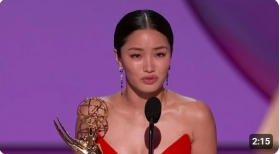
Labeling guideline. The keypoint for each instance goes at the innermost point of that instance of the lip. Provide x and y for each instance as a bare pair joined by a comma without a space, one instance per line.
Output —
149,79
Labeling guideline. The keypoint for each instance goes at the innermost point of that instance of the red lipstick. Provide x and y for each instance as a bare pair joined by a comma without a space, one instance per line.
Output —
149,79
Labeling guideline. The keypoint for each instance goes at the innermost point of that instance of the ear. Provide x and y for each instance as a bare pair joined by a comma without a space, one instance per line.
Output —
118,59
172,49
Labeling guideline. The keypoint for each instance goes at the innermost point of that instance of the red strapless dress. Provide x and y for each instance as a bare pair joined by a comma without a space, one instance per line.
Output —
181,146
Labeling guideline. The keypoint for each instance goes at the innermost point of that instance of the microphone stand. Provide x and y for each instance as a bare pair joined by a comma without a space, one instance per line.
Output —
151,132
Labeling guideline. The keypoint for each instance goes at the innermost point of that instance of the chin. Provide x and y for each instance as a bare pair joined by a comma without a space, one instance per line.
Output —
150,89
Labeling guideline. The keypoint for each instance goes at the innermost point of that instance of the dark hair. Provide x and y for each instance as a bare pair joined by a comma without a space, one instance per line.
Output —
141,19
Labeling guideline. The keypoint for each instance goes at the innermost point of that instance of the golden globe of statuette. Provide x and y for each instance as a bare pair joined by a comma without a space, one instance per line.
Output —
93,113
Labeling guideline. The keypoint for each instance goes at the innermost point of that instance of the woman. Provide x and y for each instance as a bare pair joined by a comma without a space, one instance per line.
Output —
143,43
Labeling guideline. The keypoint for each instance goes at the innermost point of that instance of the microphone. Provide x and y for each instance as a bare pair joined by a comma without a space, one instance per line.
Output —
152,113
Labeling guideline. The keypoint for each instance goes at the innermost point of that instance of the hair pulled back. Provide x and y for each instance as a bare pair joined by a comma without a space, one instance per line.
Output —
141,19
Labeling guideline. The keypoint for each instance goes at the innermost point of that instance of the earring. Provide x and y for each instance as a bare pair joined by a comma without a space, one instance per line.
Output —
121,76
166,79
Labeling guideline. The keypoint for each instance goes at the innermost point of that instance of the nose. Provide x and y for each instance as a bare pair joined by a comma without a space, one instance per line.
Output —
149,66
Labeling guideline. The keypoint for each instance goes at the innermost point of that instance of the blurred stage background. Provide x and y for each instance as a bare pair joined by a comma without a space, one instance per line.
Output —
53,54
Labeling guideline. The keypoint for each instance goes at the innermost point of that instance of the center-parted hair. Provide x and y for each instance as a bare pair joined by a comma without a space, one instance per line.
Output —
141,19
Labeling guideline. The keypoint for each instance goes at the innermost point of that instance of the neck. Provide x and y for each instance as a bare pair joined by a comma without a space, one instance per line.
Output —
136,100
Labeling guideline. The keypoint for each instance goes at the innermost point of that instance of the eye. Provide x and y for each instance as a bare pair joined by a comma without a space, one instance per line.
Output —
160,54
135,55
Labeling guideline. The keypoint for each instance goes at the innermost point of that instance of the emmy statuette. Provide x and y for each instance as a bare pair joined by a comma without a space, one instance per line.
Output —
94,122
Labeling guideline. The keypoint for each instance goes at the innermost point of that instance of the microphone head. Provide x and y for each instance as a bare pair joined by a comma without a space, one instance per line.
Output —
153,109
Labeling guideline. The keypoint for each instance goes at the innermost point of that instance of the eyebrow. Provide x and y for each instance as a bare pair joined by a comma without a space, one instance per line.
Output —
160,47
136,48
156,48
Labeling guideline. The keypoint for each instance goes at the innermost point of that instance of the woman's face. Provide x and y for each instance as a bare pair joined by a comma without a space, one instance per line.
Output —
145,57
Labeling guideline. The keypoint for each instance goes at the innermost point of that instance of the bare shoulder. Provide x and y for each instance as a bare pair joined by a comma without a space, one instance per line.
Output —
198,115
193,109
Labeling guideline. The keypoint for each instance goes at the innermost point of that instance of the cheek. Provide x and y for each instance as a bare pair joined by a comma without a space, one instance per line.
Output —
132,73
163,65
131,66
